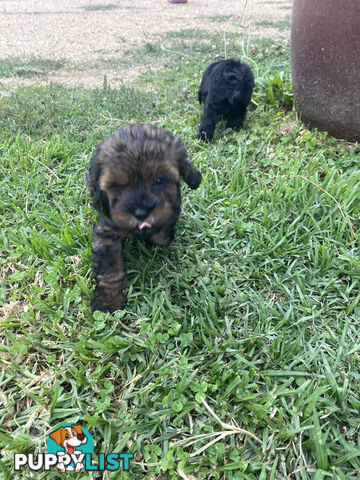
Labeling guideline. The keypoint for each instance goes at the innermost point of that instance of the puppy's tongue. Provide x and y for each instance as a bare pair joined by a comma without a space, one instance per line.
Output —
143,225
71,449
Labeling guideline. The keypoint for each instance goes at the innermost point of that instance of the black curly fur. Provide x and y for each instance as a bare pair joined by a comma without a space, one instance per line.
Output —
226,88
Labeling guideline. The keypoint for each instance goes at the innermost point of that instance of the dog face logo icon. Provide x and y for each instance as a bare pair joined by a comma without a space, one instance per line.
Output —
70,442
69,437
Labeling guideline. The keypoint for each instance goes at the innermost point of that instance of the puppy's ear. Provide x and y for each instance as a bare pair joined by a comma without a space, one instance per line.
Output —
99,197
188,172
77,429
57,436
103,202
92,178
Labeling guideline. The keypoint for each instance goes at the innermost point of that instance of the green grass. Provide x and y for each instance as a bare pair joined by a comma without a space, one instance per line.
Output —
33,67
273,2
197,48
280,25
253,308
110,6
222,18
195,45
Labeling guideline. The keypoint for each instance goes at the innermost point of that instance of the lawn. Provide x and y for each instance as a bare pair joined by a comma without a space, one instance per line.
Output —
249,320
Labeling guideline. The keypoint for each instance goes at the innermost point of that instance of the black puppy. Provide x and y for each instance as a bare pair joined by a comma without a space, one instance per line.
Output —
226,88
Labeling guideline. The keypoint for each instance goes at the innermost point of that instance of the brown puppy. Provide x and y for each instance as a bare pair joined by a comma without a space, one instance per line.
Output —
134,181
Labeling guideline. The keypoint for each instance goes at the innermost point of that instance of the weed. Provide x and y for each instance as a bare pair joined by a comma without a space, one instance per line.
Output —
278,88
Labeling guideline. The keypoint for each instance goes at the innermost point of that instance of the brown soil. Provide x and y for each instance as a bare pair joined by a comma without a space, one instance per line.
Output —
88,32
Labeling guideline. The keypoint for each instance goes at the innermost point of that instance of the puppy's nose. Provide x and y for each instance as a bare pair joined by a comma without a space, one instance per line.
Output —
81,436
142,212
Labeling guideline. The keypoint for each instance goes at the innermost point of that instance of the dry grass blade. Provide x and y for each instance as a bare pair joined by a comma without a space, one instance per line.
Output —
194,439
227,426
168,50
215,440
184,476
228,430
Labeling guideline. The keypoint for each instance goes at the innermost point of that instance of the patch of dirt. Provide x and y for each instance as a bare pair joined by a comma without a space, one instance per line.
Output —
287,127
87,33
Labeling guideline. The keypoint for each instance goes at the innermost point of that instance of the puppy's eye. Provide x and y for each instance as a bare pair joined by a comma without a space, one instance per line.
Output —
67,435
160,180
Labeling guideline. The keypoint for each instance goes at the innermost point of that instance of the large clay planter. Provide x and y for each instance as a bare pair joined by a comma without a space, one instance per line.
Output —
325,57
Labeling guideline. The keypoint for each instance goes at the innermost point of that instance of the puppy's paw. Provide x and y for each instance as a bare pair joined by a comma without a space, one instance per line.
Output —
194,179
204,136
234,122
108,306
163,238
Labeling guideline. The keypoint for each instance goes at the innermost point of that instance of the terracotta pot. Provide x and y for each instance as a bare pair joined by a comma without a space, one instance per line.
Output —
325,57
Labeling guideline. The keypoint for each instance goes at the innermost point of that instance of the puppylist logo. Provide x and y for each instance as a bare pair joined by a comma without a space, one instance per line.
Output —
70,448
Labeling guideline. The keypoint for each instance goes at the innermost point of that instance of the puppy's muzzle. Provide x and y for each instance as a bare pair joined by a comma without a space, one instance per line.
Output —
143,211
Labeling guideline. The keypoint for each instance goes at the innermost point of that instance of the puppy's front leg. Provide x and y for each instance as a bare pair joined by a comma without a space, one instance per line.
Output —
164,237
236,118
109,271
208,123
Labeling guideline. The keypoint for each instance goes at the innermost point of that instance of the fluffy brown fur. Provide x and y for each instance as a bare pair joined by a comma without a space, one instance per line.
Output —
134,182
